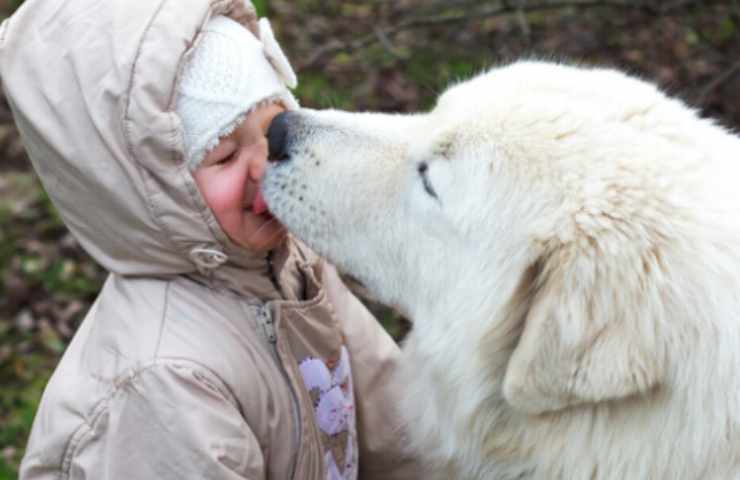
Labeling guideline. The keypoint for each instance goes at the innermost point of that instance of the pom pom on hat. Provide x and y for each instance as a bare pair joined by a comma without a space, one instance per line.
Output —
229,74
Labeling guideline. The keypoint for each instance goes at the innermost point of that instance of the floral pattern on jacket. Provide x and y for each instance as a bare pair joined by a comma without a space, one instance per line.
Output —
329,384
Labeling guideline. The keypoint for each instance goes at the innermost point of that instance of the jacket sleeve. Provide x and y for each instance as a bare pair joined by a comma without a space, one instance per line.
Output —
375,358
171,420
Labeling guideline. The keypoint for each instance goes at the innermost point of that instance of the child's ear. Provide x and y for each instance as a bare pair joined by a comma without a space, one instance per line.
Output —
591,334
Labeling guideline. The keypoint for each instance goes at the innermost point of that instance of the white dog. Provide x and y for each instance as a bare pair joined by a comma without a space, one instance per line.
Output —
567,243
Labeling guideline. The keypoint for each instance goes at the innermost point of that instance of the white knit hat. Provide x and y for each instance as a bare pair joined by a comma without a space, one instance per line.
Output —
230,74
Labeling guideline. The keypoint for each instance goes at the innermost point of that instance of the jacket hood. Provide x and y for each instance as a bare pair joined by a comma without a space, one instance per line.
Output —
92,86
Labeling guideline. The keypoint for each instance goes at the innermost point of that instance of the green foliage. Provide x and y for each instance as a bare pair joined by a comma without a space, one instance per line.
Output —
260,6
20,398
23,376
726,30
318,91
393,323
6,9
42,292
424,69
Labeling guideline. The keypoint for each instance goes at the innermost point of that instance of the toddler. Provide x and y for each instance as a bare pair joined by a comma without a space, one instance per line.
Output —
219,347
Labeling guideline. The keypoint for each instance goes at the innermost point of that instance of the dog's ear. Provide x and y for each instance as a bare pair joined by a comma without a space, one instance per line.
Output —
591,332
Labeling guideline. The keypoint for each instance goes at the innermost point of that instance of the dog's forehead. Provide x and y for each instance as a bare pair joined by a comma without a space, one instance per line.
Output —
498,84
525,83
469,111
454,127
464,97
444,144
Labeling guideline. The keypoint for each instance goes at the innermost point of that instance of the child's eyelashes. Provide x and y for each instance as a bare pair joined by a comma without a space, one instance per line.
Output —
226,159
226,150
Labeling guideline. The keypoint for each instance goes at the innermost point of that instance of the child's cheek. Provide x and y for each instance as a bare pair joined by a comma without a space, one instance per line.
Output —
225,192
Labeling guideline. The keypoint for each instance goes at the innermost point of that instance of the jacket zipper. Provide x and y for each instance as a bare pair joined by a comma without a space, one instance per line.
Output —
268,325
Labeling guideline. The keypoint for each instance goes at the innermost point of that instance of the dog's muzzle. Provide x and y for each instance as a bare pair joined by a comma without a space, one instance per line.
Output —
277,137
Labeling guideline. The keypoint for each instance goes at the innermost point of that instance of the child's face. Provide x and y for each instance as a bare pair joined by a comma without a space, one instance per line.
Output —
229,177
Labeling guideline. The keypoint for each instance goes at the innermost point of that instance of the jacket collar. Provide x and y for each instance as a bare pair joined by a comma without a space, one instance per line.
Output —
280,274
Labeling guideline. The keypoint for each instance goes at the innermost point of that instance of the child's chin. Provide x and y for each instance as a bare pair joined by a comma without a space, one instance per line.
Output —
269,244
268,233
266,215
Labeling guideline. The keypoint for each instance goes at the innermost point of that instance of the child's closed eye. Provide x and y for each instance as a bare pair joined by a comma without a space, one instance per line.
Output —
227,159
225,152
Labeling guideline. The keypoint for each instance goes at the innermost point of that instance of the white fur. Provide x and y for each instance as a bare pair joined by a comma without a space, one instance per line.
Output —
575,288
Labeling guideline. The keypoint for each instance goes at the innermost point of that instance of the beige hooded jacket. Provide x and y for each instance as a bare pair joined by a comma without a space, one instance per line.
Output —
198,359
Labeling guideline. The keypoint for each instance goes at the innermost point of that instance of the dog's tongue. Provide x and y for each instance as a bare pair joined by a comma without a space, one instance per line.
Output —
258,204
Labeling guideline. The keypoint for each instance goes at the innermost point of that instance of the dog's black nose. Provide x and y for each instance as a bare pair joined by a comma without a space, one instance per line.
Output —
277,136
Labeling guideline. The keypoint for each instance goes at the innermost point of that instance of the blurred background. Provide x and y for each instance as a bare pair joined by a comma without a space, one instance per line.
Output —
357,55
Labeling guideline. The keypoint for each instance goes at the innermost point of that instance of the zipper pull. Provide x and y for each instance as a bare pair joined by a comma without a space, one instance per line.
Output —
268,324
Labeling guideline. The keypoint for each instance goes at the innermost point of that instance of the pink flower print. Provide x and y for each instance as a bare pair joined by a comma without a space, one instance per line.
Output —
315,374
330,388
333,411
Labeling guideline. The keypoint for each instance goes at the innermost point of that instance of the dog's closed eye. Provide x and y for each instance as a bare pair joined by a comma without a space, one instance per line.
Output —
423,168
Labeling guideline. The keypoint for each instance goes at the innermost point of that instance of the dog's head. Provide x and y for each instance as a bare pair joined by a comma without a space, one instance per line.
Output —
536,183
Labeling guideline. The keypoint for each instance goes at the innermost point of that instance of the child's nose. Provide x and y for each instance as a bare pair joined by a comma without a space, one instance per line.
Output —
258,161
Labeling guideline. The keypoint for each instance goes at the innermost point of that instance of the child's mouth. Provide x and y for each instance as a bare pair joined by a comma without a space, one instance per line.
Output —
258,204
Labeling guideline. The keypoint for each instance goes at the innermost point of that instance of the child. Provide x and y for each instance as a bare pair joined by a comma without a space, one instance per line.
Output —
218,347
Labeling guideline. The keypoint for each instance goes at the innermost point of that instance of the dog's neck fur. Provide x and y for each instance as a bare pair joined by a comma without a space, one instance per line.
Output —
461,432
454,415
